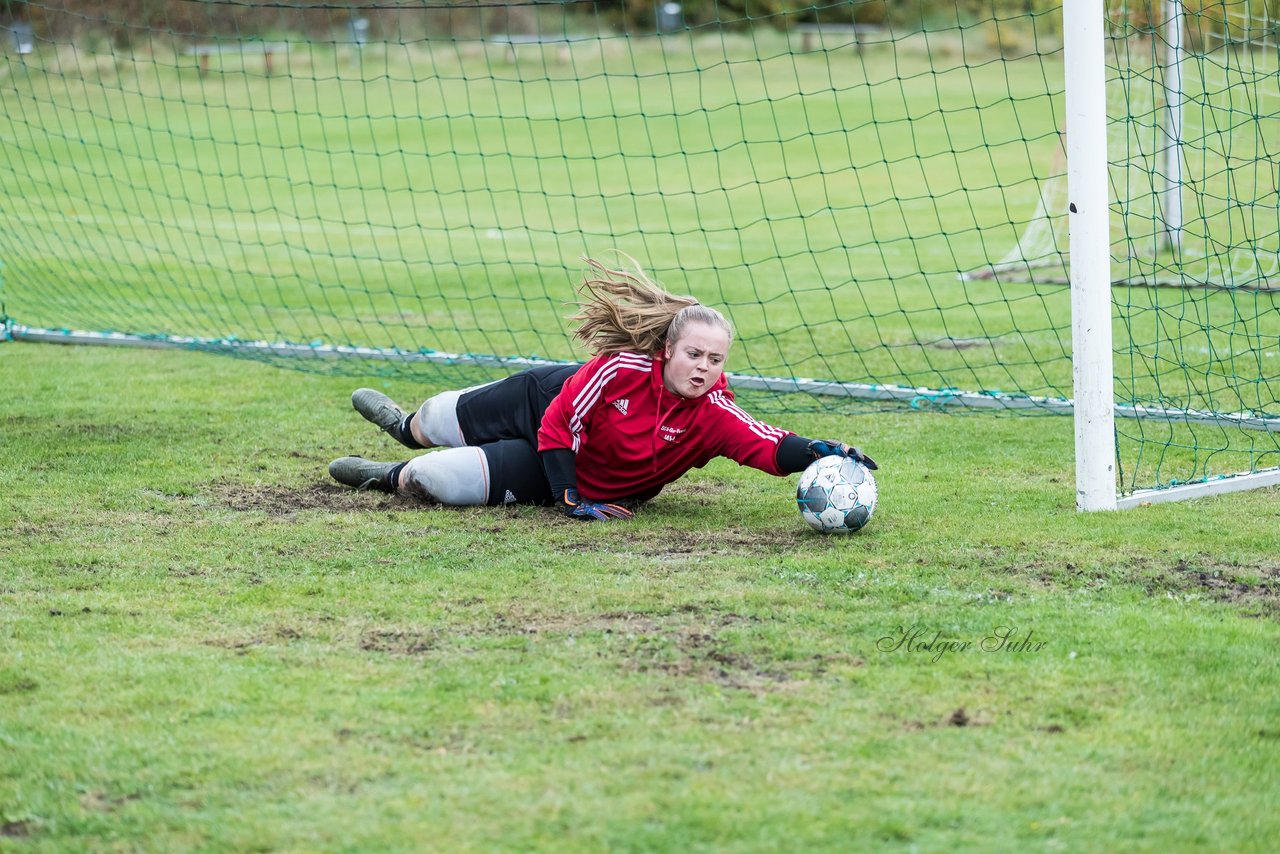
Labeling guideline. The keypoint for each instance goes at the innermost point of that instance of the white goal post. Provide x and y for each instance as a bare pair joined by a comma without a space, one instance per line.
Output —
1089,217
1089,220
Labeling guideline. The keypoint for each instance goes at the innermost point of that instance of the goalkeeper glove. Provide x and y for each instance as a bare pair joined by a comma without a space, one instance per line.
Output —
578,508
820,448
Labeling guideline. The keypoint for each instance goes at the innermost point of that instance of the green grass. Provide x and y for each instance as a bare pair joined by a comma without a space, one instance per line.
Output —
205,645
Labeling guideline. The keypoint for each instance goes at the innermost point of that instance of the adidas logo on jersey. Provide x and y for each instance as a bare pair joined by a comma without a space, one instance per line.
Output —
621,405
509,498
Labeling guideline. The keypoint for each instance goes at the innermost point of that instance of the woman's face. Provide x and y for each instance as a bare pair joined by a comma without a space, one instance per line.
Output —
696,361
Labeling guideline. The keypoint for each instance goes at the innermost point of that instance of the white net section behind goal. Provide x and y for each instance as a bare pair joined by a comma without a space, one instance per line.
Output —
1194,146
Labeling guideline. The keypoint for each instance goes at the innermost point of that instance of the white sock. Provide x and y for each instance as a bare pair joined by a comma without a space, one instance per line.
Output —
458,476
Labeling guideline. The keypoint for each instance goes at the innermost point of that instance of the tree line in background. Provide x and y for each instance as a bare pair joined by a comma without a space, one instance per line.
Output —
126,22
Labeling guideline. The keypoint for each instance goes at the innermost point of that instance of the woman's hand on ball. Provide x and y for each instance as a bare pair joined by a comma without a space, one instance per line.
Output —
820,448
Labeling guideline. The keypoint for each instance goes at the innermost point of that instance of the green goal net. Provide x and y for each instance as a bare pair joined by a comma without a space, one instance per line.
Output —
875,192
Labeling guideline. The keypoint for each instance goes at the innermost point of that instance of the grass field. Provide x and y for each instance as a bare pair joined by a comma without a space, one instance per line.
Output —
436,195
206,645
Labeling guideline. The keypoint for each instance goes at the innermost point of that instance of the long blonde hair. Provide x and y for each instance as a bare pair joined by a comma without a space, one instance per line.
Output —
625,310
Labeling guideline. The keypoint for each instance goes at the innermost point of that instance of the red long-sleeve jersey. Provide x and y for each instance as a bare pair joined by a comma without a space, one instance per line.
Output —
632,436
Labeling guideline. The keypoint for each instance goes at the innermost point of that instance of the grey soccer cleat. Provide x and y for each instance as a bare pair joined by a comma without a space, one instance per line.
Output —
360,473
382,410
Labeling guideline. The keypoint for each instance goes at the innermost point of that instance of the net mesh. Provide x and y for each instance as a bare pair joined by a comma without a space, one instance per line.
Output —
875,193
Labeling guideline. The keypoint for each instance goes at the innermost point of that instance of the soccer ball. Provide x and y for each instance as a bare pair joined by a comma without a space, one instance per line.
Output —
836,495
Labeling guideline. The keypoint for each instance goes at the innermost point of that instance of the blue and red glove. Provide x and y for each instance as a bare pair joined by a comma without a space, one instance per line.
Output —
574,507
820,448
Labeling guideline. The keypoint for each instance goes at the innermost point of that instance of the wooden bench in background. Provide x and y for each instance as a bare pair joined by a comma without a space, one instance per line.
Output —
513,40
857,34
268,50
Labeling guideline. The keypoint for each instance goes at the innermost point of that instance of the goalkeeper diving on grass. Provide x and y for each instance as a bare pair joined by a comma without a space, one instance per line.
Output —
594,440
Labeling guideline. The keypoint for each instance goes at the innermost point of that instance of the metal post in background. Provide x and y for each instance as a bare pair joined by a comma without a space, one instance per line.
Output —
1172,28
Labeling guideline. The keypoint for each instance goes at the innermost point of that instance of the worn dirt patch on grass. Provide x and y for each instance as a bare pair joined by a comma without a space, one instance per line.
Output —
711,493
398,641
16,829
667,543
687,642
673,542
16,682
277,500
1255,588
959,717
607,623
321,631
103,802
97,431
241,643
692,654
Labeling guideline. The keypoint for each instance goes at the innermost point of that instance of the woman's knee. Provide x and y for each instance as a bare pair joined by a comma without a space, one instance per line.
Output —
437,421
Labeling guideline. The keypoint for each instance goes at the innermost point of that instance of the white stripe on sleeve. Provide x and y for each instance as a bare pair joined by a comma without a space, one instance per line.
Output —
764,431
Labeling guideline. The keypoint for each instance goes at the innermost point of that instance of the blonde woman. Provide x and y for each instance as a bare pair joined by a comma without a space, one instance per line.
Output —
595,439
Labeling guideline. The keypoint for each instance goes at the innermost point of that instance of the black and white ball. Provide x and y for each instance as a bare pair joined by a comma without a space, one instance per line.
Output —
836,495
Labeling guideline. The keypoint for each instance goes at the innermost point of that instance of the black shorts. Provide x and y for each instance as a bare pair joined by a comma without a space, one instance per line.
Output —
502,419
